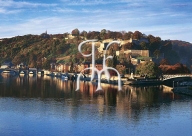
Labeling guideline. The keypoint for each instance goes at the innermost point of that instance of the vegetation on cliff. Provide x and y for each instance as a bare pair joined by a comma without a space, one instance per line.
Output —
40,50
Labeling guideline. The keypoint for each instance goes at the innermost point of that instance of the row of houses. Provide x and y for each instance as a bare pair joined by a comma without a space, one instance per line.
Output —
67,67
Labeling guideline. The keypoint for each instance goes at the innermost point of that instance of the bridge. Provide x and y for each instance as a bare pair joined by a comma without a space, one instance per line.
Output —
18,71
174,80
181,76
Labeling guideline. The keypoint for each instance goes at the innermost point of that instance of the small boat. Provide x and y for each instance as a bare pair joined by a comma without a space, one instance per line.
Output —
64,77
51,74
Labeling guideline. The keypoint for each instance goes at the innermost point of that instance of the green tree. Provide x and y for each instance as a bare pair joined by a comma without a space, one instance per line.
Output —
102,34
144,46
109,62
149,69
114,61
46,64
156,54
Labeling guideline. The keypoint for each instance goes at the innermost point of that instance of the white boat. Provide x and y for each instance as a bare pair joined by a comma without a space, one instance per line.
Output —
64,77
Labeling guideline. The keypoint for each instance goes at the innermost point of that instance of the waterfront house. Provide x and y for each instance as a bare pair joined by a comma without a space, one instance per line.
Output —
61,67
53,66
83,66
66,67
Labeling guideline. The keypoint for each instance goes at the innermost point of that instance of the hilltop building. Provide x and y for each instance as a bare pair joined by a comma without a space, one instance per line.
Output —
45,35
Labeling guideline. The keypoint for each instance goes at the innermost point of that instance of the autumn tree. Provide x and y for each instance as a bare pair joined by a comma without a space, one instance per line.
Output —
83,33
126,36
93,35
174,69
154,43
75,32
137,35
127,46
164,62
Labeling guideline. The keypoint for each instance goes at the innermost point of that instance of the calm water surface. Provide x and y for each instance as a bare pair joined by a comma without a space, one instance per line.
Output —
50,106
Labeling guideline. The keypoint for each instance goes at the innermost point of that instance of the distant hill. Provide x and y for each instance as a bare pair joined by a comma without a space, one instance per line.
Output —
40,50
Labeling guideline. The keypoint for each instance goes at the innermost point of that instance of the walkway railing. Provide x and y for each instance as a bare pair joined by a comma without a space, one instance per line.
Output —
166,77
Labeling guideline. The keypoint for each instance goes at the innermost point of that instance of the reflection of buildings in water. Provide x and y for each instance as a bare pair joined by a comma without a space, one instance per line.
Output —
84,87
19,80
100,102
32,79
5,75
124,101
133,99
110,95
61,85
168,90
45,77
22,75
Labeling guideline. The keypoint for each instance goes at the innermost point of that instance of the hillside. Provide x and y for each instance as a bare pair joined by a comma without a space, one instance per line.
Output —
40,50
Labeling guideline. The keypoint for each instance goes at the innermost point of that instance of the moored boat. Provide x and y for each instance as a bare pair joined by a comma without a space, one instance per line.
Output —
64,77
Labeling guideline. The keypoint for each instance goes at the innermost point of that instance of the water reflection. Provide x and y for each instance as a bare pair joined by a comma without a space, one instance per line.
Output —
131,111
48,87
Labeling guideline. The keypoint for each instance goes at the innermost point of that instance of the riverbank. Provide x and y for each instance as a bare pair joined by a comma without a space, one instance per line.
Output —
143,82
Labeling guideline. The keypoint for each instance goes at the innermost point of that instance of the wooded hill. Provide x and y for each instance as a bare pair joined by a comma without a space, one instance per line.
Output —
40,50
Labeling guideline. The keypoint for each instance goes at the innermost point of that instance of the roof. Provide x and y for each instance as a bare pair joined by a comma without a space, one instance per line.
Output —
143,58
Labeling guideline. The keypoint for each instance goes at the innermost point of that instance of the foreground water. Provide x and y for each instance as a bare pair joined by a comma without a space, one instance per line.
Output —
50,106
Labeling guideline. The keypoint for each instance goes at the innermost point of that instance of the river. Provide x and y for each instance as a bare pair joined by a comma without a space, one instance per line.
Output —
50,106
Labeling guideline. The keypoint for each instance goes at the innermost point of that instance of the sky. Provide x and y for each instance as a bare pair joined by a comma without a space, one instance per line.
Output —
168,19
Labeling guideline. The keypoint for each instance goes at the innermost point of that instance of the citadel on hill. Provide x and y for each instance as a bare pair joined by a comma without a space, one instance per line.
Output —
60,50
